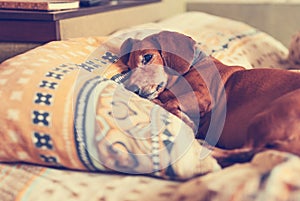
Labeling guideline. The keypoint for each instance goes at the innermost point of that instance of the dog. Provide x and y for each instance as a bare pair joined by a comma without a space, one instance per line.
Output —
262,106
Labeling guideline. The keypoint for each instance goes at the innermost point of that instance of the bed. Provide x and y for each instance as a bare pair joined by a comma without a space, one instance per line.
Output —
71,132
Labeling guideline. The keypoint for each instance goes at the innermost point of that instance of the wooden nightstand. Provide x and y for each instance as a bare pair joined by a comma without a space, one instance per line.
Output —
43,26
21,30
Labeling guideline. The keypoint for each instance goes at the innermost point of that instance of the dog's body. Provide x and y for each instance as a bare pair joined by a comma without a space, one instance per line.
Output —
262,105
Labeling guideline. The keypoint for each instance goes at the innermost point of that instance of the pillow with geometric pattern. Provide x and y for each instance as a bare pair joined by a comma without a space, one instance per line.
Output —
70,117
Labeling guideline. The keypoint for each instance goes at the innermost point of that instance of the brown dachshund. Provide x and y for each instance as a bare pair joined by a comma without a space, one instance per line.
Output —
233,108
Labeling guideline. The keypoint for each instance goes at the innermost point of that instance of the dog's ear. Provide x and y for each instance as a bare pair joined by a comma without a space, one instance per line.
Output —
125,49
177,51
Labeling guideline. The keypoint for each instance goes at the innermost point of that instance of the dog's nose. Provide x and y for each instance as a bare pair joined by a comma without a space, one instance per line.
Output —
134,88
143,94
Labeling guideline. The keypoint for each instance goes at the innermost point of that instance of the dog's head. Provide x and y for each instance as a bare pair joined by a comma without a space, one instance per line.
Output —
156,60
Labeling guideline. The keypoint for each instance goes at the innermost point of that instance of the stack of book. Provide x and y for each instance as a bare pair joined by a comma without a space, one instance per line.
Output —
47,5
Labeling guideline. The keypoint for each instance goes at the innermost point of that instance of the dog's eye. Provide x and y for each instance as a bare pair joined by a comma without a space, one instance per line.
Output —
147,58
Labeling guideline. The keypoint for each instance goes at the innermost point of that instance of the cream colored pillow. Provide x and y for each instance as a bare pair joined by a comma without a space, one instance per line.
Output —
67,115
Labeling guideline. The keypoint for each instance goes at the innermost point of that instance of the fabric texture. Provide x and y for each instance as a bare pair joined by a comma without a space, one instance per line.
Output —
69,116
37,116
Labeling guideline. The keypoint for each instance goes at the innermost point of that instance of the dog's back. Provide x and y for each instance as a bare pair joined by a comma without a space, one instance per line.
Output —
250,93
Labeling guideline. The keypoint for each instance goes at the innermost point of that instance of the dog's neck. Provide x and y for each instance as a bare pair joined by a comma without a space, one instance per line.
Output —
215,75
199,55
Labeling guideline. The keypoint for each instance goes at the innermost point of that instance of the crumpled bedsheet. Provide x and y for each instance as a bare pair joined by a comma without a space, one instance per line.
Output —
271,175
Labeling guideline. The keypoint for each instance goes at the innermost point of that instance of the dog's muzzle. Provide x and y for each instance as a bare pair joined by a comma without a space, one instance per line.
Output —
150,91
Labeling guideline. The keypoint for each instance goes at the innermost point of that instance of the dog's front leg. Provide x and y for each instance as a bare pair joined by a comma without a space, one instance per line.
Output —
193,103
158,102
173,106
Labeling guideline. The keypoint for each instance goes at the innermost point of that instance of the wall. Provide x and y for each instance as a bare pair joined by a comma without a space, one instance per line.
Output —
278,18
108,22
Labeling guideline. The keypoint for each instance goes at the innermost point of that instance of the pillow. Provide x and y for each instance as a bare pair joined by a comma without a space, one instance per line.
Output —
69,116
232,42
293,59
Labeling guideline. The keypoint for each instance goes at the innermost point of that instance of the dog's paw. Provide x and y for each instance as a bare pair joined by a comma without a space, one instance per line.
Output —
188,121
158,102
173,107
185,118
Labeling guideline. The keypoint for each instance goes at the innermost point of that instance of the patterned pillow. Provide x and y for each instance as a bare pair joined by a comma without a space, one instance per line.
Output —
69,116
233,42
293,59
